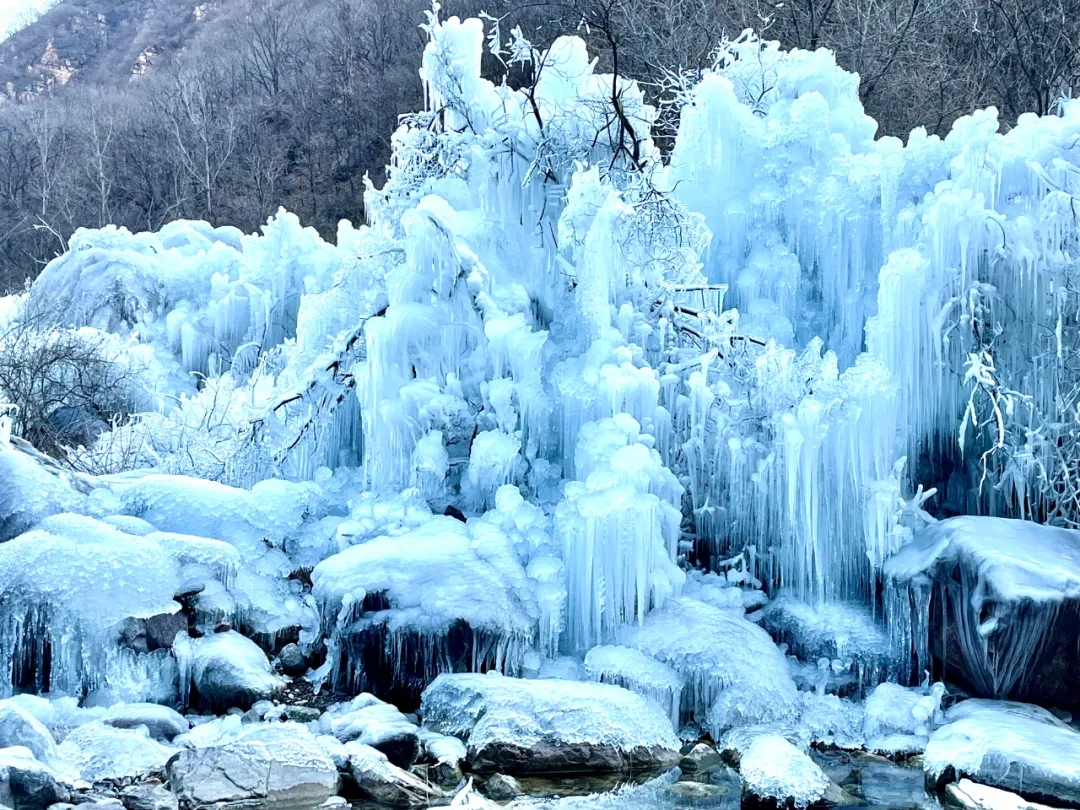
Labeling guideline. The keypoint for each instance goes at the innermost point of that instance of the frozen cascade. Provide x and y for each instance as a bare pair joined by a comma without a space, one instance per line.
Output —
633,670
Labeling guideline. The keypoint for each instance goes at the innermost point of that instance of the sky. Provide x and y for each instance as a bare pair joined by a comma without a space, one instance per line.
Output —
12,11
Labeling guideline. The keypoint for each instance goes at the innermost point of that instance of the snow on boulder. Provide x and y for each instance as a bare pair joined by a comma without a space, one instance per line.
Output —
225,670
527,726
68,585
162,723
382,781
372,722
733,673
1012,746
97,751
1010,591
281,765
775,772
25,783
897,720
457,590
20,728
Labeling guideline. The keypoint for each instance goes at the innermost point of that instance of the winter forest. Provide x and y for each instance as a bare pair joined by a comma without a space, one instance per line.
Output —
700,447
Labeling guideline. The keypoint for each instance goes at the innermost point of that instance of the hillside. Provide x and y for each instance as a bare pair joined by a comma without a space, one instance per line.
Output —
96,41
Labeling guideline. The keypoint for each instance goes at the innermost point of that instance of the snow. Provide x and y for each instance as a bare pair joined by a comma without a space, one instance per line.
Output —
772,768
225,668
98,751
899,719
633,670
732,672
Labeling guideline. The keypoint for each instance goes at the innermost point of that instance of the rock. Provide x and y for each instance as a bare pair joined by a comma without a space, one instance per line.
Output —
700,758
148,797
697,793
972,796
399,741
502,788
335,803
279,764
292,661
301,714
776,773
99,751
380,780
25,783
162,630
226,669
372,722
335,749
57,806
162,722
444,756
446,773
1011,746
736,741
522,726
19,727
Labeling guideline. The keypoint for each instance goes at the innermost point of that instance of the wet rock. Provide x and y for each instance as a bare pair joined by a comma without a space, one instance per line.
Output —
400,742
301,714
162,630
283,765
292,661
697,793
380,780
162,722
148,797
227,669
699,759
502,788
25,783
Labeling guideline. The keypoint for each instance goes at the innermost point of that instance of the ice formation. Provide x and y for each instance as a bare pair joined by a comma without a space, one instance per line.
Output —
572,404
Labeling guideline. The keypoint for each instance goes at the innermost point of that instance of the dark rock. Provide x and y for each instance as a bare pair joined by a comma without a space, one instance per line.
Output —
697,793
379,779
700,758
502,788
188,590
547,757
148,797
161,630
455,513
302,714
292,661
400,743
26,784
222,627
445,773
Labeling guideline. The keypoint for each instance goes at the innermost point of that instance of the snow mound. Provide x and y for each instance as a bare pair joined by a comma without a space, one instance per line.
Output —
772,768
733,673
98,751
226,669
899,720
633,670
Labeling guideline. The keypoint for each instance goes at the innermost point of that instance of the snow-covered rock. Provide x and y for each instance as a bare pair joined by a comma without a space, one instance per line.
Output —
20,728
899,720
634,670
162,722
25,783
226,669
969,795
31,492
773,770
733,673
380,780
372,722
98,751
281,765
1012,746
526,726
148,797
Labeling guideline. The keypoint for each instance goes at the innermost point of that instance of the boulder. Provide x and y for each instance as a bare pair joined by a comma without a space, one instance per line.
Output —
522,726
292,661
148,797
502,788
444,756
163,723
382,781
776,773
19,727
281,765
370,721
1010,746
699,759
25,783
226,669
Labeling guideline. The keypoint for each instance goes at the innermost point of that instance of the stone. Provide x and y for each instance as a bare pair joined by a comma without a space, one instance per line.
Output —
517,726
301,714
502,788
162,722
226,669
292,661
399,741
697,793
148,797
162,630
699,759
99,751
776,773
25,783
281,764
19,727
382,781
446,774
